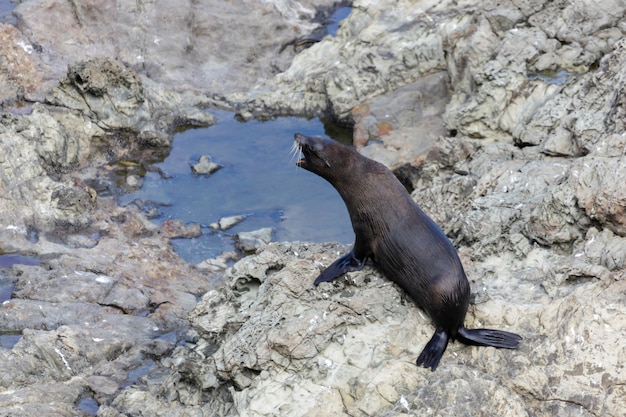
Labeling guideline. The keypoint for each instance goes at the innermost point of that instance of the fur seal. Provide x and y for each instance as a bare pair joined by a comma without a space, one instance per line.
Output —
402,241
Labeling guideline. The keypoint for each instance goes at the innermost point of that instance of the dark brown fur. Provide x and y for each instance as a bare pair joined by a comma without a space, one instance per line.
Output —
404,243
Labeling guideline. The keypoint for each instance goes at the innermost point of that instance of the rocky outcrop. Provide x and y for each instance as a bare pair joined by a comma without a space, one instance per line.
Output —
214,47
271,343
100,112
524,177
504,119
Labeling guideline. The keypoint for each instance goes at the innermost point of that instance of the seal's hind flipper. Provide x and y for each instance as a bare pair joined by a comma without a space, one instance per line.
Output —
489,337
346,263
433,351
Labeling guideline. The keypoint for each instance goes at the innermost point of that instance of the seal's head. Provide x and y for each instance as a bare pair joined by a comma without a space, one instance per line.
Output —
315,154
322,156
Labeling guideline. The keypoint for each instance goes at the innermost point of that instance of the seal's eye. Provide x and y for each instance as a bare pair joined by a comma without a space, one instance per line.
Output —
318,147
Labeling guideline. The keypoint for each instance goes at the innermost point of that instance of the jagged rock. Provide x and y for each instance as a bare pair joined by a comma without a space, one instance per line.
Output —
601,191
251,241
357,339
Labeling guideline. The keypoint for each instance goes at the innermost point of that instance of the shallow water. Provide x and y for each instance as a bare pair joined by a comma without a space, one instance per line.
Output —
259,179
88,405
6,8
7,260
552,76
332,24
9,339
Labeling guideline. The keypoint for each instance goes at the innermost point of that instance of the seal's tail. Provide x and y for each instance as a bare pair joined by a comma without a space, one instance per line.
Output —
431,355
488,337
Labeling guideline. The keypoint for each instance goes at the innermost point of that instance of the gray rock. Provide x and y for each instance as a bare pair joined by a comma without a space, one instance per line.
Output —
340,334
601,192
184,46
410,128
124,106
133,181
368,57
205,166
226,223
251,241
220,263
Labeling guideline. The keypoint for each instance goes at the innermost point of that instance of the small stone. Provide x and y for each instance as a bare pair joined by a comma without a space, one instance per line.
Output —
133,181
220,263
205,166
226,223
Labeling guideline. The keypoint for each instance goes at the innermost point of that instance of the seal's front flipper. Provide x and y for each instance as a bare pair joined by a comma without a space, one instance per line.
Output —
432,353
346,263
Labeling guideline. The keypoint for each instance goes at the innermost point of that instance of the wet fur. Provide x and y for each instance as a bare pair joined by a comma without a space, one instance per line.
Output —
404,243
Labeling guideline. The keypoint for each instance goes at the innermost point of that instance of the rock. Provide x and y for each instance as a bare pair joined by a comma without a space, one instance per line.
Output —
366,58
226,223
219,263
603,248
134,181
574,119
205,166
601,193
174,229
557,219
187,47
125,107
405,122
350,338
251,241
213,264
101,110
77,323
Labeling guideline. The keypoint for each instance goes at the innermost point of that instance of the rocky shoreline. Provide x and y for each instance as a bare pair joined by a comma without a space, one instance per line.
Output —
504,119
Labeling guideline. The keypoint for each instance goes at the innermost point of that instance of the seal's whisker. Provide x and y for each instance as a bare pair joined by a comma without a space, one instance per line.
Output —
295,152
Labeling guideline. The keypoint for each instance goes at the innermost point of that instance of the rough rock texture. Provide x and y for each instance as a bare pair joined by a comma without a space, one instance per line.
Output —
91,317
505,119
286,347
377,49
528,183
186,45
100,112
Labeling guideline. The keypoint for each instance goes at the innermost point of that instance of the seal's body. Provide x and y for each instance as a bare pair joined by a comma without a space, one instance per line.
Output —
405,244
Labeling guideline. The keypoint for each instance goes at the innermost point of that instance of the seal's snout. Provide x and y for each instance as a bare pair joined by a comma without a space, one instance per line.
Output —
299,141
303,140
299,138
313,150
